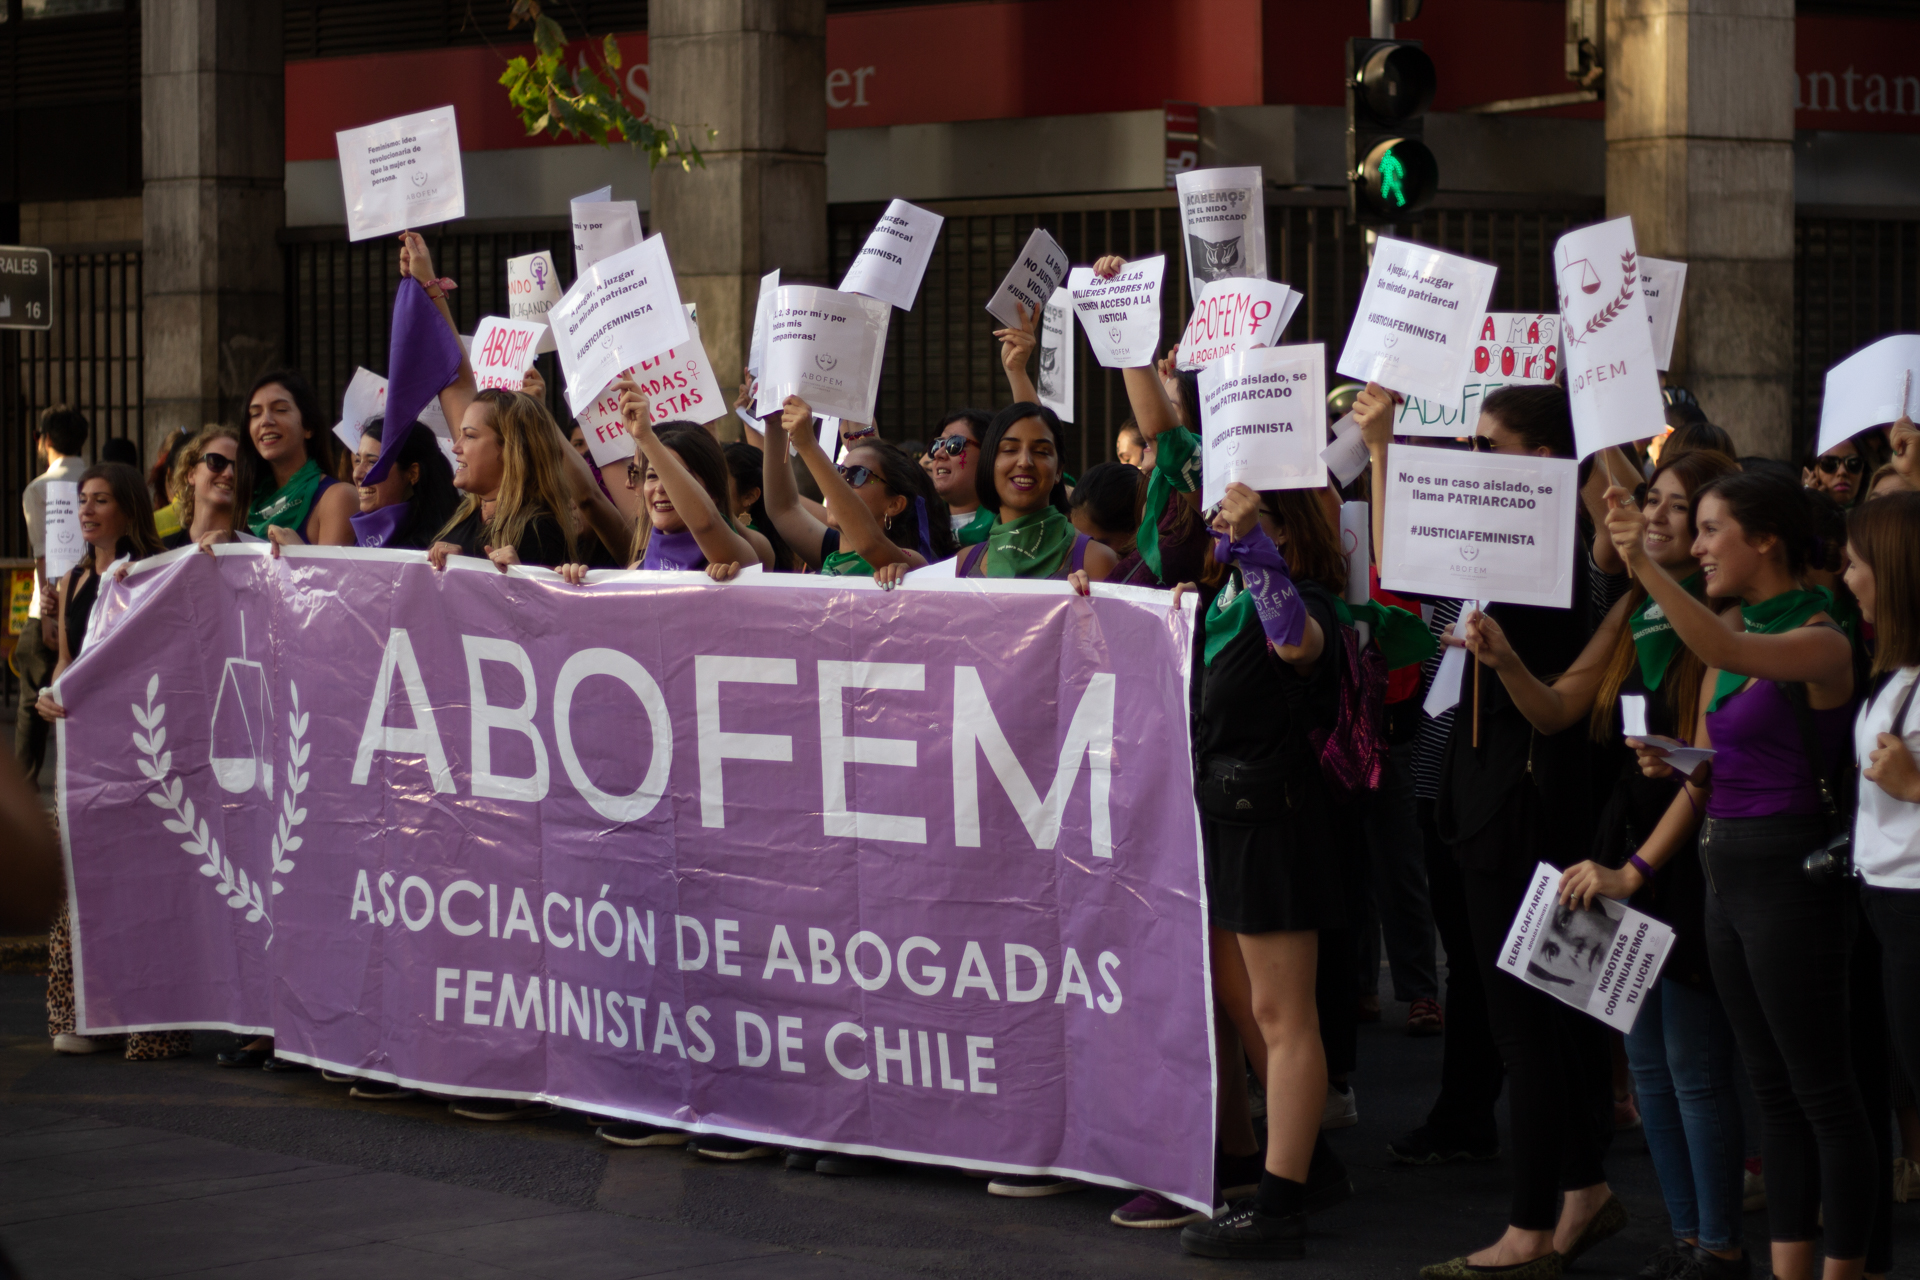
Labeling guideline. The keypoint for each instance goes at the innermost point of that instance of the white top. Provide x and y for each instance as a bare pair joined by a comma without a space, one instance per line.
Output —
962,519
33,499
1886,831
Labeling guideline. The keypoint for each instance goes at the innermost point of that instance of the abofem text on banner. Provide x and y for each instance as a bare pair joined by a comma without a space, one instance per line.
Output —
777,861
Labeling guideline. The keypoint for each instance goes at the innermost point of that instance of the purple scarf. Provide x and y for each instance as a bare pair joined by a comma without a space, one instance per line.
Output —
673,551
1283,616
376,528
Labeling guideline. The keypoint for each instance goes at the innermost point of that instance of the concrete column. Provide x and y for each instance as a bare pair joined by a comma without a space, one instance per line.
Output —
212,105
1700,152
755,72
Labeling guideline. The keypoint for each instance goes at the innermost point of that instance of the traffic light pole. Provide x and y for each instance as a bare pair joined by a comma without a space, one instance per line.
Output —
1380,14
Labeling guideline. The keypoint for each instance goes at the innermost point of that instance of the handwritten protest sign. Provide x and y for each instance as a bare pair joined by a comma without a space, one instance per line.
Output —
1601,960
894,258
1870,388
1121,315
680,385
1413,330
1223,213
1055,381
1040,269
533,286
619,312
64,545
1264,420
1661,284
824,346
602,227
1612,379
1235,314
1486,526
1511,348
401,173
503,351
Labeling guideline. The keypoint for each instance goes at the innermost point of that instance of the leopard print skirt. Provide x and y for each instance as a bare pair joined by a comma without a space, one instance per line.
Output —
142,1046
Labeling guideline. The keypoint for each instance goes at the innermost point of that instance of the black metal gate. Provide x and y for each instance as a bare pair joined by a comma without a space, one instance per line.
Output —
1855,279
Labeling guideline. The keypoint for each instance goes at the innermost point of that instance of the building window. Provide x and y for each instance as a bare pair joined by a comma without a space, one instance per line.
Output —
31,9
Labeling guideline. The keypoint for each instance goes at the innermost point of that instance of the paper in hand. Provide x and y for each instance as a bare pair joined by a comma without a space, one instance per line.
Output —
1661,284
1613,381
1263,416
1223,214
826,347
1870,388
1633,715
620,311
1040,269
1601,960
402,173
1347,456
1443,695
1054,382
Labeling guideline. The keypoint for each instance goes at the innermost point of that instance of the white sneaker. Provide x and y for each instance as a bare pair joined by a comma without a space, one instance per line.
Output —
67,1042
1341,1111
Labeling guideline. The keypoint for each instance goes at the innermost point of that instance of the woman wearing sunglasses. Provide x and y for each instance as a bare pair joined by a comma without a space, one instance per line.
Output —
1839,473
209,487
955,457
887,514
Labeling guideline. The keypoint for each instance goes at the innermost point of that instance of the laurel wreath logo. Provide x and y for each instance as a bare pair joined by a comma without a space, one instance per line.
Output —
1630,269
231,882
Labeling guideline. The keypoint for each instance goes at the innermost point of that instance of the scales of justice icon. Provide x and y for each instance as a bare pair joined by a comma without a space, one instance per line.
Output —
242,729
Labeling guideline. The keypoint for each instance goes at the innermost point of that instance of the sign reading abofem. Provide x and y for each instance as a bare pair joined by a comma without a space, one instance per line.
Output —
1512,348
1054,384
1480,526
1224,215
1413,332
1122,314
1613,378
503,351
401,173
894,258
619,312
826,347
1235,315
1264,419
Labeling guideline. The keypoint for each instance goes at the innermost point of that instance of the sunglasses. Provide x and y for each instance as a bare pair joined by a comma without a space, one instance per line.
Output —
1853,463
949,447
217,463
1485,444
856,477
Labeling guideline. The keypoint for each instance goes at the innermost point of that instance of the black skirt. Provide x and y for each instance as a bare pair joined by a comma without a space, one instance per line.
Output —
1281,876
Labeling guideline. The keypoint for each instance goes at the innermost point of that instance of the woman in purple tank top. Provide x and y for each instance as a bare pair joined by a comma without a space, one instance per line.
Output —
1778,939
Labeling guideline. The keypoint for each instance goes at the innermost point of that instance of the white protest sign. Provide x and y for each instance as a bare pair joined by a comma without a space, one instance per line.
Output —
1612,380
619,312
1055,383
1491,526
1224,215
1443,694
1347,456
401,173
1511,348
826,347
680,385
503,351
1263,420
894,258
1661,284
1040,269
366,399
1121,315
1601,960
762,322
64,545
1413,330
1235,315
602,227
1868,389
533,286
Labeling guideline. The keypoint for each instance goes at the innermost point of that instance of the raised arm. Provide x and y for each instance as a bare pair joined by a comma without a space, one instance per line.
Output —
859,531
799,526
718,540
1373,410
1612,467
1016,352
596,511
1549,708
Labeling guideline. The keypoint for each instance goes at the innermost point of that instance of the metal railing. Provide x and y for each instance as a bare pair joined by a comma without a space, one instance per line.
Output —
1855,278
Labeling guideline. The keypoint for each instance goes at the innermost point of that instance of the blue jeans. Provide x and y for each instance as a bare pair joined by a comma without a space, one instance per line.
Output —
1684,1062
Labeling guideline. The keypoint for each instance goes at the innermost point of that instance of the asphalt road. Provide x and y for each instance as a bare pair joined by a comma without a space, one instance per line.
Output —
110,1167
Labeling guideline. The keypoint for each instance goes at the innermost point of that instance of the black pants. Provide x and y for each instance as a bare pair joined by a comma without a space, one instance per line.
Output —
1894,915
1780,947
1471,1073
1337,975
1559,1068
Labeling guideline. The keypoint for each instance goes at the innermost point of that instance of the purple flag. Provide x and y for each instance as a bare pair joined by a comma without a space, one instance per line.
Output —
777,859
423,356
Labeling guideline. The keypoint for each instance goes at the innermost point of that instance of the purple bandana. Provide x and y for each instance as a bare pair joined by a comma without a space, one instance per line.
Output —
673,551
1282,614
423,356
376,528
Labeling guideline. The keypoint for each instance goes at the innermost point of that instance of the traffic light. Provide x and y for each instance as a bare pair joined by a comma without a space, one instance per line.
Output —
1390,172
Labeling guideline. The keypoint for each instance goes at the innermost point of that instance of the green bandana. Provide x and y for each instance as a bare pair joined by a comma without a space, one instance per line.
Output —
1176,469
288,505
1653,635
975,530
1784,612
846,564
1404,640
1225,621
1034,546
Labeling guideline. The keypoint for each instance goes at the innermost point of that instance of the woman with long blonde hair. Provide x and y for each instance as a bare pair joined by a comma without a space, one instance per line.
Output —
510,463
210,485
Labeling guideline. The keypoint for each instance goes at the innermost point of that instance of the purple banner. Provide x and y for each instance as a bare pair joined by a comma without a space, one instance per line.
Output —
912,874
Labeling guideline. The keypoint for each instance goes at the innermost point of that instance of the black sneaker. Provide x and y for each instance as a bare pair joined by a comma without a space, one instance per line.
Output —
1247,1234
838,1164
715,1147
628,1133
1698,1264
802,1161
1426,1145
499,1109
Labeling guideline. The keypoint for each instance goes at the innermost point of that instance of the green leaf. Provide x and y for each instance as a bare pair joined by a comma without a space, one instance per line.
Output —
610,51
548,38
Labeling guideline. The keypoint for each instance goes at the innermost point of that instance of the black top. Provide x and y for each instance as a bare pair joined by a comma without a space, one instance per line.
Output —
1251,706
83,587
544,543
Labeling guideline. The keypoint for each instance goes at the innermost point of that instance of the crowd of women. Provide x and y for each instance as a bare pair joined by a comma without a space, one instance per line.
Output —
1769,613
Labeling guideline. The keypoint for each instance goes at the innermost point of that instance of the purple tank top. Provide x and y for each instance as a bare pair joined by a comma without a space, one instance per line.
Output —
974,565
1760,764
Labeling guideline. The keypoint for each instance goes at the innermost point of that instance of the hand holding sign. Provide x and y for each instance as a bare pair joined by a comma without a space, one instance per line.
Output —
1488,526
1121,314
620,311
